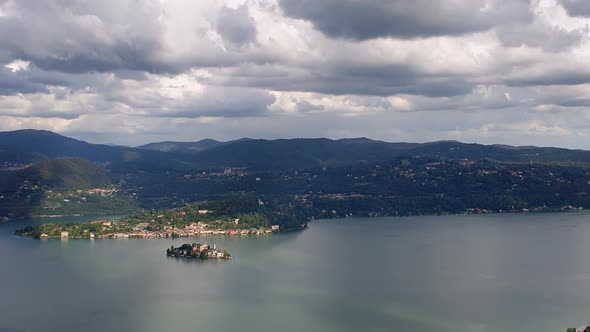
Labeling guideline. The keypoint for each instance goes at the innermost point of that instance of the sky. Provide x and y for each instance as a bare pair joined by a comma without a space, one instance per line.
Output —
131,72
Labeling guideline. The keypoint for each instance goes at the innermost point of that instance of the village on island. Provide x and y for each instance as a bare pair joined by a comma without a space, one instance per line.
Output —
579,329
197,250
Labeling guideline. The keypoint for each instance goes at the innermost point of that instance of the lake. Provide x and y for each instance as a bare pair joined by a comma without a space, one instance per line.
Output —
510,272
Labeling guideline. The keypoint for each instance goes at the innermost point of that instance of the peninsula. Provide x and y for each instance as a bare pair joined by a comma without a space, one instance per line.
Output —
236,215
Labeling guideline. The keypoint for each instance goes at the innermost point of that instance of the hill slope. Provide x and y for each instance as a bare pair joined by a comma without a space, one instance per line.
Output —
298,153
65,186
308,153
29,146
189,147
66,173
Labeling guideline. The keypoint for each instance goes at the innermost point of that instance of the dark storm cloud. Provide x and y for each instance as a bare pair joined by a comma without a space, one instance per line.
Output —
342,79
570,102
577,7
236,25
367,19
17,82
72,81
549,38
100,59
571,76
61,38
222,102
78,36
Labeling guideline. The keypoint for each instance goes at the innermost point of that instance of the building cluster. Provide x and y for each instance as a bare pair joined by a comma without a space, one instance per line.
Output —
579,329
197,250
100,191
234,173
13,166
142,231
197,229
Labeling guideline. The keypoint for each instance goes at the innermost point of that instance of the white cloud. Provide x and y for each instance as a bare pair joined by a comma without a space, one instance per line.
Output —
18,65
143,70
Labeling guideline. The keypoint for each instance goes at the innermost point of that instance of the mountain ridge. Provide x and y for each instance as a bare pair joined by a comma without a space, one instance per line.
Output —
30,146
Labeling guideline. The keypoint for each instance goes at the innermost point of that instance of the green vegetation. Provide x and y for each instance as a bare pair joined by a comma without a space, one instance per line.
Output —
64,186
235,213
67,174
400,187
430,186
86,202
239,211
186,147
296,178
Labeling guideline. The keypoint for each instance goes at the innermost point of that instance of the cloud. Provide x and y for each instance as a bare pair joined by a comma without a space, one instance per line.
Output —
576,7
366,19
131,71
79,36
378,80
236,26
550,38
13,82
220,102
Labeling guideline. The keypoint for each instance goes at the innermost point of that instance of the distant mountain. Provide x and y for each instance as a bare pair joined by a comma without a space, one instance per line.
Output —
30,146
186,147
307,153
505,153
182,146
298,153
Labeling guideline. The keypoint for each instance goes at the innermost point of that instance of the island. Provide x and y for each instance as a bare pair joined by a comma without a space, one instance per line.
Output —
579,329
197,250
235,215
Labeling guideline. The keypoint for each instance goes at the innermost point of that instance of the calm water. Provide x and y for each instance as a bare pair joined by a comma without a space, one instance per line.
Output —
451,273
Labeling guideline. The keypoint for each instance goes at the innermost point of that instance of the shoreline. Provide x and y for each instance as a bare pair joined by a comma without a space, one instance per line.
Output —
106,229
490,212
58,215
197,230
126,236
470,211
